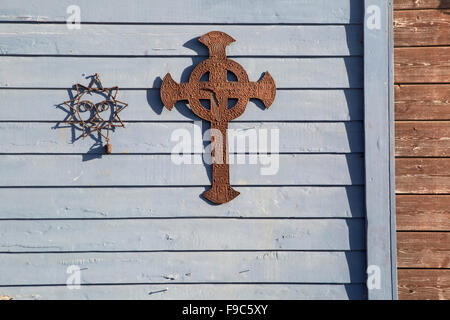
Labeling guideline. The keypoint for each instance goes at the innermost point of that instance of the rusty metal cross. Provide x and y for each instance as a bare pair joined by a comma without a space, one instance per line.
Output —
218,90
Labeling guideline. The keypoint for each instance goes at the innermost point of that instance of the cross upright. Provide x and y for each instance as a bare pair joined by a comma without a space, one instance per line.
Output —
218,90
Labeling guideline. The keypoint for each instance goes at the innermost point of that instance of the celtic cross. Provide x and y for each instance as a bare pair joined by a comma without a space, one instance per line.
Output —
218,90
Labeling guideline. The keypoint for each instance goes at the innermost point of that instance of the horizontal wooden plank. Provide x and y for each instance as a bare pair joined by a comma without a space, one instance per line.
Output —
421,28
151,40
146,105
160,170
185,267
194,292
422,175
421,4
422,138
423,212
268,202
422,102
324,137
64,72
189,11
420,65
423,249
181,234
423,284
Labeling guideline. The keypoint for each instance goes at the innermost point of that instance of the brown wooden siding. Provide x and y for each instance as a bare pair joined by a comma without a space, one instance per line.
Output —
422,139
424,284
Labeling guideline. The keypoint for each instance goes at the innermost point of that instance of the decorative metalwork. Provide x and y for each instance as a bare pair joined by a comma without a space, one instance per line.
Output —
218,90
93,121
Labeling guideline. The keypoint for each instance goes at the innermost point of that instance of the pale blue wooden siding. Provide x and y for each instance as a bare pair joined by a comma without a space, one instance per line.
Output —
380,152
134,221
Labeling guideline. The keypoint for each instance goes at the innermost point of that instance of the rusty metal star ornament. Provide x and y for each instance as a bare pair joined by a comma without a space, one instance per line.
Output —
218,90
88,115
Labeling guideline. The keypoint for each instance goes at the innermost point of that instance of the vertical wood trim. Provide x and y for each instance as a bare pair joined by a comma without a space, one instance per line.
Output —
379,152
393,226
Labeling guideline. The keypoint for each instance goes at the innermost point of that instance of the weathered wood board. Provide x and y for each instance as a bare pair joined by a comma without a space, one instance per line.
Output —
421,4
194,291
424,284
422,102
153,202
422,65
186,267
423,176
146,105
159,170
181,234
421,28
191,11
423,212
422,139
139,72
423,249
285,137
170,40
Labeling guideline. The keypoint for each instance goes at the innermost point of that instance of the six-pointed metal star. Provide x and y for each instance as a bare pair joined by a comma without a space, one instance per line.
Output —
95,122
